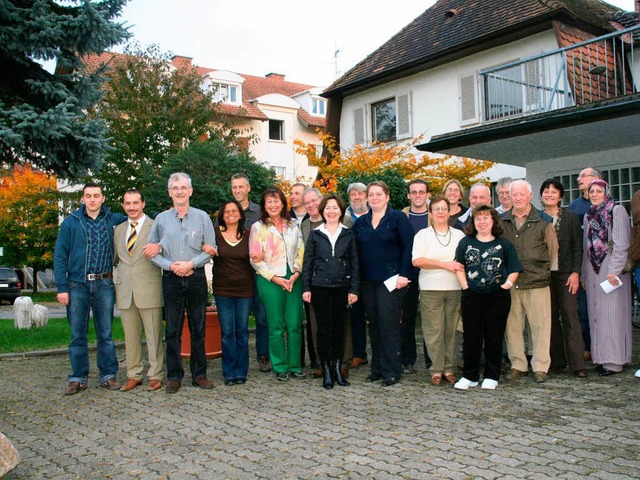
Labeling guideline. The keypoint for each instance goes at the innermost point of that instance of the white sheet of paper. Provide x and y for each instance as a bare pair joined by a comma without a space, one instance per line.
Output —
608,288
391,282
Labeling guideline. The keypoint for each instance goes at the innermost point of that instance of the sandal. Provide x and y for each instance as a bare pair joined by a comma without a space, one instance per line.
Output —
436,379
450,377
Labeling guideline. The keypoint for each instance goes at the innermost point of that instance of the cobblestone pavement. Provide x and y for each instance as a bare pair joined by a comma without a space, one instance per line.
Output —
565,428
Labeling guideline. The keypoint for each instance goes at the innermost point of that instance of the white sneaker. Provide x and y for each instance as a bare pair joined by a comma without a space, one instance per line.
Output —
489,384
637,374
464,384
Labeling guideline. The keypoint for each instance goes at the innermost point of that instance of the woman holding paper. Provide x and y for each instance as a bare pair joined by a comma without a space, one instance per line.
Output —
384,238
606,243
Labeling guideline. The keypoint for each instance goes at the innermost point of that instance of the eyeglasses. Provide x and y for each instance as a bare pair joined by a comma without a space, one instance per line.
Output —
582,175
439,209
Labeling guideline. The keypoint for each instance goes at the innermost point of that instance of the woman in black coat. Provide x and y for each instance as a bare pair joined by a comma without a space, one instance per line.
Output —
330,284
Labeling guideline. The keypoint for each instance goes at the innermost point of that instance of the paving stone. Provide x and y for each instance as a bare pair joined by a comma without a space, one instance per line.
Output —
566,428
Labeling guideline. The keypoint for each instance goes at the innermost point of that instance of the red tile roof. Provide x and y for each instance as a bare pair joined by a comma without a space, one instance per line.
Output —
452,29
252,88
587,86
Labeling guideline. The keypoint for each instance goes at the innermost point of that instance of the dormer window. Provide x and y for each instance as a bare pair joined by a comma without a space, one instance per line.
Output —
227,93
319,107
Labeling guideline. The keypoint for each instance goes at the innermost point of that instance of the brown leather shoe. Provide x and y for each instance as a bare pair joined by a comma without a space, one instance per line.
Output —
202,382
111,384
582,373
154,385
358,361
130,384
173,386
74,387
265,364
317,373
514,374
540,377
345,372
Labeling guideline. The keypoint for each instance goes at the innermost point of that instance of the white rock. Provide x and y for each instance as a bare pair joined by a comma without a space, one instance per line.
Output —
23,308
40,315
9,456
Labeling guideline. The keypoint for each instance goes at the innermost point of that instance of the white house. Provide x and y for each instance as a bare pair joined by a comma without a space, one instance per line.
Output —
453,75
274,111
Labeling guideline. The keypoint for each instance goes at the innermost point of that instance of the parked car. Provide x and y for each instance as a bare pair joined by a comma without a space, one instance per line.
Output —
10,286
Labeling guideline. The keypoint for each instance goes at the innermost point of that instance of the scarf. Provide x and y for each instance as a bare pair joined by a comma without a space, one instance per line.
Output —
599,219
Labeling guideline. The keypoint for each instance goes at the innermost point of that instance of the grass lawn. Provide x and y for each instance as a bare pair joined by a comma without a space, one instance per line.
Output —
40,297
54,335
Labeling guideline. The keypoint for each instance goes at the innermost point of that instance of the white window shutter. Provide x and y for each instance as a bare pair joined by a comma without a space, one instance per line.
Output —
469,99
403,116
358,126
533,78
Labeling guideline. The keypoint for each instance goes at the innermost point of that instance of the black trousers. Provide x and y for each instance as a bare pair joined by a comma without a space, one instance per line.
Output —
484,318
409,314
383,310
566,333
330,307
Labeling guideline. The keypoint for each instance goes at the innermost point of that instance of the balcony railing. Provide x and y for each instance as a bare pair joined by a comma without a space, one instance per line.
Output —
594,70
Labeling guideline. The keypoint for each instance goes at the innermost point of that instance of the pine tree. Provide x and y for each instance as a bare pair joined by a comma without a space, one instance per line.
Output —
43,117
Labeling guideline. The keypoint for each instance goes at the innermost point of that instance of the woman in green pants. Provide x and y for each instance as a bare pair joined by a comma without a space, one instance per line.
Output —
276,249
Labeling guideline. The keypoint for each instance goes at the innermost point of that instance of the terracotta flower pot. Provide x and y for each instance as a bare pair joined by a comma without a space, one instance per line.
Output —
212,335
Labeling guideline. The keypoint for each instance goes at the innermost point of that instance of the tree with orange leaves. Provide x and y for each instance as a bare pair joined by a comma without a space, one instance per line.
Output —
335,166
28,219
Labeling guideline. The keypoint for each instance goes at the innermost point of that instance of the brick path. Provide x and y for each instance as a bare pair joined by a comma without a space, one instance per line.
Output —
565,428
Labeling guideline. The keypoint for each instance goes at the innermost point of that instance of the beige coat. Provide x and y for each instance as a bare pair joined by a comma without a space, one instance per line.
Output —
144,290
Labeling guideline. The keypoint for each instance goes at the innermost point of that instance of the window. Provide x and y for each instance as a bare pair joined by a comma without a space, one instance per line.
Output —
279,171
276,130
319,107
390,119
383,121
317,149
227,93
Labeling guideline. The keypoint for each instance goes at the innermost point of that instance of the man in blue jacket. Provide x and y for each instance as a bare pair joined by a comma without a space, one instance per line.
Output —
83,273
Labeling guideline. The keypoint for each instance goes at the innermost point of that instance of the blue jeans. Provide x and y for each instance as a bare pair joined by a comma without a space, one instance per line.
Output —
262,330
180,294
99,297
233,314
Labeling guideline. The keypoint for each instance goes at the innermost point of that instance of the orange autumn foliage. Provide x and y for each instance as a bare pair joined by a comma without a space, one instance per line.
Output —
402,157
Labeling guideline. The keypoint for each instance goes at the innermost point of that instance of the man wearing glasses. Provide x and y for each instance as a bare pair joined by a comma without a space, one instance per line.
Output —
580,206
182,232
418,194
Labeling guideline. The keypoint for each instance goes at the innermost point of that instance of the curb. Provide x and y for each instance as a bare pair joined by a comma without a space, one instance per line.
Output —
61,351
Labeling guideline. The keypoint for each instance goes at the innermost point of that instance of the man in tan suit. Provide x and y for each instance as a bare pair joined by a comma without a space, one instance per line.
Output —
138,294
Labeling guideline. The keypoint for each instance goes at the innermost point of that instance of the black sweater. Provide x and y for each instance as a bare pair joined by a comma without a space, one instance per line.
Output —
327,267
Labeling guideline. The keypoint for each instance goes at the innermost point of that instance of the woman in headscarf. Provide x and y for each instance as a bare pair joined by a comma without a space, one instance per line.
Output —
606,241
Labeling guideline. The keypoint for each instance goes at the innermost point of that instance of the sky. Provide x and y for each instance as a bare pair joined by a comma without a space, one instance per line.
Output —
296,38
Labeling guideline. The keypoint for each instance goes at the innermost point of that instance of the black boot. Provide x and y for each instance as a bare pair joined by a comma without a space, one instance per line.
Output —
337,368
327,381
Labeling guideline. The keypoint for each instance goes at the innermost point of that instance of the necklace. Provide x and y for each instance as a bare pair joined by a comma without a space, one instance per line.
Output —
438,237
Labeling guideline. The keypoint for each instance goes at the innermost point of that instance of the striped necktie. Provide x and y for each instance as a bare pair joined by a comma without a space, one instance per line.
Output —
133,236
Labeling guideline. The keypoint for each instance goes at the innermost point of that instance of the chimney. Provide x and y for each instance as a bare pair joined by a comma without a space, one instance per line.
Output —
179,61
280,77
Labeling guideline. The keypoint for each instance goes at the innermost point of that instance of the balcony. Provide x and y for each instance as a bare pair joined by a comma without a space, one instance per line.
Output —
583,99
596,70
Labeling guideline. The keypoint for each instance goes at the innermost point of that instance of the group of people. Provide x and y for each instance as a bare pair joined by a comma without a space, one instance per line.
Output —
514,274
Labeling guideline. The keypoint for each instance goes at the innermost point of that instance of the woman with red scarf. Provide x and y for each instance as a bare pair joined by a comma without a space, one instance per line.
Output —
606,241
